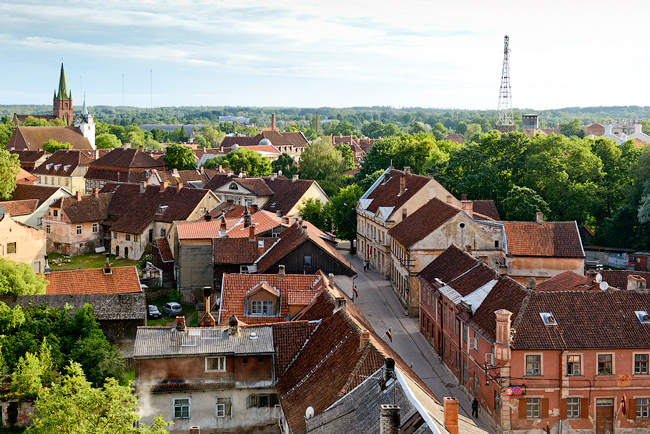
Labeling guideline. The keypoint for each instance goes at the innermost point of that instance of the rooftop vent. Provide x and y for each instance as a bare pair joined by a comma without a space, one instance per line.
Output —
548,318
643,316
253,336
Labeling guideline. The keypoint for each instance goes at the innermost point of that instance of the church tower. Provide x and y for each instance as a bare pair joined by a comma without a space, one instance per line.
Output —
63,101
86,124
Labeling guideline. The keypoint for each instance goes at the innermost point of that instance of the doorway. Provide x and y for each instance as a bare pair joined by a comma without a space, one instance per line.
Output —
605,416
126,252
117,251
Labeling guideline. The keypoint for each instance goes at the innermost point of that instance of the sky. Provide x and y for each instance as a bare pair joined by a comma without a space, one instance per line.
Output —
336,53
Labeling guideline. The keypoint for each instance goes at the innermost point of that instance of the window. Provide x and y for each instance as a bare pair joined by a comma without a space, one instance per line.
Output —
457,327
458,361
445,321
47,229
475,382
233,186
533,365
262,400
446,346
643,408
115,235
573,365
215,364
573,407
128,237
451,358
604,364
163,232
404,214
465,332
95,228
307,261
39,221
262,307
640,364
496,244
260,360
78,229
56,213
465,370
224,407
532,408
244,360
11,248
181,408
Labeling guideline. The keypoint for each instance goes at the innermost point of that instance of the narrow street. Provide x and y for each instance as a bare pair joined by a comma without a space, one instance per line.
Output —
381,306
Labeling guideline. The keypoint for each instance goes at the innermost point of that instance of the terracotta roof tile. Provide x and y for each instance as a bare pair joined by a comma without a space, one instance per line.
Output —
286,193
551,239
263,221
28,191
127,157
567,281
387,193
618,278
201,229
288,339
164,249
487,208
63,163
88,209
451,263
93,281
32,138
20,207
423,222
239,250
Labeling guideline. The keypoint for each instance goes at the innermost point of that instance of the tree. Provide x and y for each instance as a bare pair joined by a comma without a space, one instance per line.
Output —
75,407
242,160
98,358
461,127
347,154
31,121
523,204
365,182
107,141
374,129
52,146
317,213
33,372
314,123
572,128
344,215
471,132
343,128
321,162
285,163
6,131
9,170
179,157
418,128
18,278
439,131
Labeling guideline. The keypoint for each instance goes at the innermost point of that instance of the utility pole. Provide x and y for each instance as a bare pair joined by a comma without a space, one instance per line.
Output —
505,117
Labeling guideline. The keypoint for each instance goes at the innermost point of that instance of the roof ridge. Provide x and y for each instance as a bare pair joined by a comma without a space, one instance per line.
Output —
304,344
520,314
345,390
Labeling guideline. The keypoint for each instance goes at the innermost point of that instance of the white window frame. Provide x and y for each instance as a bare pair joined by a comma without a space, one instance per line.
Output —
263,305
643,409
571,365
95,228
79,230
180,406
573,407
222,363
220,410
531,406
540,373
647,364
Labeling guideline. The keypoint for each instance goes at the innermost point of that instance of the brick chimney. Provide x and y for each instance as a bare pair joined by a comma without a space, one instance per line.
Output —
175,172
247,218
591,277
294,177
96,192
163,186
451,415
180,323
502,344
273,176
233,326
407,170
449,198
540,218
273,122
364,338
402,184
389,419
223,228
531,284
468,206
78,196
179,186
281,274
143,186
251,233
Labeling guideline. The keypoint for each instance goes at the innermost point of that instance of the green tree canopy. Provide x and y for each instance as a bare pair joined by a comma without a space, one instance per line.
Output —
317,213
523,204
9,170
242,160
344,215
347,154
286,164
572,128
107,141
321,162
6,131
179,157
18,278
52,146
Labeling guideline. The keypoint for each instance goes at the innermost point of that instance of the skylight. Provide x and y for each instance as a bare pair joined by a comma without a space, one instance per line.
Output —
548,318
643,316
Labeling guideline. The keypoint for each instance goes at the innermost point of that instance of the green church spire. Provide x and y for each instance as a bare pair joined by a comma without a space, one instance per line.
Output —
63,90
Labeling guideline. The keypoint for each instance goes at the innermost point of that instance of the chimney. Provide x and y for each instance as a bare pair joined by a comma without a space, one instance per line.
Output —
273,121
463,196
339,303
180,323
281,274
207,216
46,270
449,198
222,227
163,186
255,207
202,170
636,283
389,370
364,338
273,176
468,206
251,233
540,218
407,170
451,415
294,177
531,284
107,265
389,419
591,277
220,168
96,154
386,177
195,430
278,213
175,172
143,186
233,326
179,186
247,218
96,192
502,344
402,184
78,196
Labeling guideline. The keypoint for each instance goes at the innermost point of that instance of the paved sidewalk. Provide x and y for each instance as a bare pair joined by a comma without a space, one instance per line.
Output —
383,310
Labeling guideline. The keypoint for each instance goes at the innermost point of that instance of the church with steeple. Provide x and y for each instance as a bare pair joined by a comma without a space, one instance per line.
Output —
62,107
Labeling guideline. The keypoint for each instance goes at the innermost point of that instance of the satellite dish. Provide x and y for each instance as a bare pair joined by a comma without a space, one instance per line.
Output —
603,286
309,413
280,172
599,278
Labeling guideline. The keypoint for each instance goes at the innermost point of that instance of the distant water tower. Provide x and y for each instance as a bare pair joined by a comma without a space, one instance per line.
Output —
530,124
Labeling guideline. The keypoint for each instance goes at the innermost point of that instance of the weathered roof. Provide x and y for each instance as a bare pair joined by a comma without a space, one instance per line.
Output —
387,193
20,207
63,162
567,281
164,249
263,221
451,263
423,222
90,208
32,138
131,306
155,342
487,208
550,239
239,250
585,320
121,280
286,193
256,186
618,278
24,177
29,191
127,157
288,340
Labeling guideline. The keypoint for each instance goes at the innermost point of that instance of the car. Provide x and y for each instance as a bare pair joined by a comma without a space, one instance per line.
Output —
173,309
153,311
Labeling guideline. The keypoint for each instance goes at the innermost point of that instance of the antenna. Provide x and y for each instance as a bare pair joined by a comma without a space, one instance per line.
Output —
505,117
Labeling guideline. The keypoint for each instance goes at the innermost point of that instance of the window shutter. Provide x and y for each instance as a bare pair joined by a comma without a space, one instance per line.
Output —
631,410
544,408
584,408
522,408
563,409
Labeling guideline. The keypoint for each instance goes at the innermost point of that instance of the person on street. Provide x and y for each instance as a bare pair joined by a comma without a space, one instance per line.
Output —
365,265
475,408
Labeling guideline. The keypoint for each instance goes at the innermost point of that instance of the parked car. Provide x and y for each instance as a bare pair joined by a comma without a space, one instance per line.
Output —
173,309
154,312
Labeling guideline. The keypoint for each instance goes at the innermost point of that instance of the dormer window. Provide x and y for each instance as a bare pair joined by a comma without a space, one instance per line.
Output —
57,167
548,318
161,209
233,186
643,316
262,307
66,167
49,166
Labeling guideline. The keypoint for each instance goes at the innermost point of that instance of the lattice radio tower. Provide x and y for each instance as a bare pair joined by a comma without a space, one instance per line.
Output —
505,117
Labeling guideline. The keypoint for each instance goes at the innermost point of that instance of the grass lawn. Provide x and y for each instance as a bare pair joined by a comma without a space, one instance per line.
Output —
90,260
130,376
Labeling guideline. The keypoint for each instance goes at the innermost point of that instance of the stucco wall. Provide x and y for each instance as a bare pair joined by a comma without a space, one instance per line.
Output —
30,243
520,268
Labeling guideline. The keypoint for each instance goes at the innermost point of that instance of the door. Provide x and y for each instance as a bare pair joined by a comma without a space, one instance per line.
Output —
126,252
605,416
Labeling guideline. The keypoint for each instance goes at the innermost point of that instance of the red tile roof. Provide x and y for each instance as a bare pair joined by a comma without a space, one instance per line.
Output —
286,193
63,163
29,191
88,209
423,222
387,193
288,340
20,207
164,249
263,221
236,287
551,239
24,177
93,281
451,263
618,278
202,230
127,157
239,250
567,281
32,138
487,208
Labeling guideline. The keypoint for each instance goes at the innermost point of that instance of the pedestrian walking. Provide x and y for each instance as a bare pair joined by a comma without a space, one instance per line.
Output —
365,265
475,408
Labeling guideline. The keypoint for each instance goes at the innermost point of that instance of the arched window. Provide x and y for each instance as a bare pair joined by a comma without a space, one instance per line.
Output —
233,186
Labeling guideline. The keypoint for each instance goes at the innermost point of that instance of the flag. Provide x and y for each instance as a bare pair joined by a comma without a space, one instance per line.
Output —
356,294
388,333
623,400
